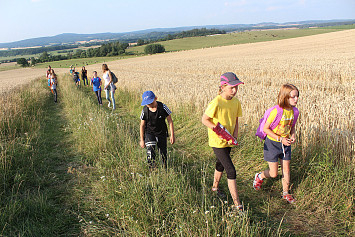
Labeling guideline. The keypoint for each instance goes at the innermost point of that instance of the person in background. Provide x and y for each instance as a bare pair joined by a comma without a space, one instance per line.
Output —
53,84
48,72
84,76
109,86
96,86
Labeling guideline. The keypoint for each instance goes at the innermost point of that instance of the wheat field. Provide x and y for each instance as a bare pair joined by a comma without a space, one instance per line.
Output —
321,66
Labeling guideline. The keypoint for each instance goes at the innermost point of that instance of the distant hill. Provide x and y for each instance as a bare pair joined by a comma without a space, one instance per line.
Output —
157,33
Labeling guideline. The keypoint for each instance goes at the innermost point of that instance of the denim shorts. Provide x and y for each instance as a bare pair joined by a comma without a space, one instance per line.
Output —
273,151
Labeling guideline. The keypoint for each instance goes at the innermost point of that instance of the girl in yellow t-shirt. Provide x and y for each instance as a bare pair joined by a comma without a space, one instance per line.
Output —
278,142
224,109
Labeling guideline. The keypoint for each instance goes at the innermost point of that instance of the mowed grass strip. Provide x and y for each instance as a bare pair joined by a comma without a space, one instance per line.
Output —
35,193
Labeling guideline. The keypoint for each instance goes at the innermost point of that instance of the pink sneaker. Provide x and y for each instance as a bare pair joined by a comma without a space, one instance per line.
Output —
257,182
289,198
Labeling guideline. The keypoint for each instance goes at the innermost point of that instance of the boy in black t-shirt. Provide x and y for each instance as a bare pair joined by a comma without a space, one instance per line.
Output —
153,129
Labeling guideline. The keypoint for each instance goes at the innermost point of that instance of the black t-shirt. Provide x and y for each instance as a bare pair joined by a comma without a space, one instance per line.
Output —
155,121
84,73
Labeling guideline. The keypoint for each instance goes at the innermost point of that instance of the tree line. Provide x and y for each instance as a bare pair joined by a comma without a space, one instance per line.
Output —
116,48
184,34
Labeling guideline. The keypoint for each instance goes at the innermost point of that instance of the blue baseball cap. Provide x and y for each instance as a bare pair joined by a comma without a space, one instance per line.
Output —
147,98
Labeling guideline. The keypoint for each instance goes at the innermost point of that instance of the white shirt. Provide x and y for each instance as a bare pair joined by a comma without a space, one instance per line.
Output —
106,78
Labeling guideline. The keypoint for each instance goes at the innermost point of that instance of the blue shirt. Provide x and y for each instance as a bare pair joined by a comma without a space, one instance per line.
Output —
96,86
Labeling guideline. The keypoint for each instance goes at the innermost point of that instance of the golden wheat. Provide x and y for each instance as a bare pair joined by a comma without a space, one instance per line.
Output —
321,66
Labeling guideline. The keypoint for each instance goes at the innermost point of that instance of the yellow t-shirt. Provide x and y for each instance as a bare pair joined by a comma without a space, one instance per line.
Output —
283,129
225,112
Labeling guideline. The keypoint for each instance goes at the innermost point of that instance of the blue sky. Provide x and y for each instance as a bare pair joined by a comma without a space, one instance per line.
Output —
23,19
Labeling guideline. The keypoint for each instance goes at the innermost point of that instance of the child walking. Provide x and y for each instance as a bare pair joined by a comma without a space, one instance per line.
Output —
225,109
96,86
278,141
153,129
53,84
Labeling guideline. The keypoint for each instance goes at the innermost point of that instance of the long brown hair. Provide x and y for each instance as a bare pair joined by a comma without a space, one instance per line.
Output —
105,67
285,94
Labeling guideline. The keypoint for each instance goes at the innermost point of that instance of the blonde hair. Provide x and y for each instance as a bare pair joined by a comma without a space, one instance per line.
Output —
285,94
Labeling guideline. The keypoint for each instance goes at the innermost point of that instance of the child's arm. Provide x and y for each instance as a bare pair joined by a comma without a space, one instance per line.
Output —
293,135
236,129
141,133
171,126
269,132
207,121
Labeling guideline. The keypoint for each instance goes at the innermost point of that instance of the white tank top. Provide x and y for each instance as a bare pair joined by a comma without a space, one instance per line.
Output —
106,78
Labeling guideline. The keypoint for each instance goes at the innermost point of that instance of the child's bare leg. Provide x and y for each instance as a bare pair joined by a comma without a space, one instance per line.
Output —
271,172
232,185
285,167
217,178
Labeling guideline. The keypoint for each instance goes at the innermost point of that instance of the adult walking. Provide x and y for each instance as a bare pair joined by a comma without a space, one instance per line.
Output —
109,86
84,76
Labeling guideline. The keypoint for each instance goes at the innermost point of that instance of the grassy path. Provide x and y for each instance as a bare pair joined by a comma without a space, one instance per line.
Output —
54,155
40,202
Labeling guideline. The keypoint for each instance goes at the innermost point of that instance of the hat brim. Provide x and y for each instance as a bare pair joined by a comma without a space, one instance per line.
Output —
232,83
147,102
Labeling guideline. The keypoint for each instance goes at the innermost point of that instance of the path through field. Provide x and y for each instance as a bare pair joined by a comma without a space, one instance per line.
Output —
12,78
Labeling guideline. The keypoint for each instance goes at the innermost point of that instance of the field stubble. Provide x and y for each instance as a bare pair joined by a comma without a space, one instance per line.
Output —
321,66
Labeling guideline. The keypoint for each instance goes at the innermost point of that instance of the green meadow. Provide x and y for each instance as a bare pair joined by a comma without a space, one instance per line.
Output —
237,38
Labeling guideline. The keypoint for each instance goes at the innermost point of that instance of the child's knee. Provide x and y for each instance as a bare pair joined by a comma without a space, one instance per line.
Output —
231,173
273,174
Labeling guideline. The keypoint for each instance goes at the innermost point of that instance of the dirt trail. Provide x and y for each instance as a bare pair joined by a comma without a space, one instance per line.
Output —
13,78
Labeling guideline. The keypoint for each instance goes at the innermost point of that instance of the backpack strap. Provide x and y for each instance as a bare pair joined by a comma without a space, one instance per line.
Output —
278,117
296,112
145,111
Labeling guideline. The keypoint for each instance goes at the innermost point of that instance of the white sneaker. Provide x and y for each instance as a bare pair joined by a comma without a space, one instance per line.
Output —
109,105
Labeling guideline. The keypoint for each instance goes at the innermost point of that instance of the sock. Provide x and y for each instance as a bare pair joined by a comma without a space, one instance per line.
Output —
284,193
259,176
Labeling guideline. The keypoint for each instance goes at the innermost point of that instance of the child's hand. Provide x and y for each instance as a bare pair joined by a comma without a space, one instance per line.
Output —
286,141
142,144
172,139
293,138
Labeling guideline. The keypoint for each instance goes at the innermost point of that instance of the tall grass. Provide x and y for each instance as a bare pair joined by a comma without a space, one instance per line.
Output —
121,197
31,192
125,198
109,190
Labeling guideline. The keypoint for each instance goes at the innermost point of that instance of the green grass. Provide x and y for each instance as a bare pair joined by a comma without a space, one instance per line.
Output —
119,196
35,192
9,67
237,38
79,62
